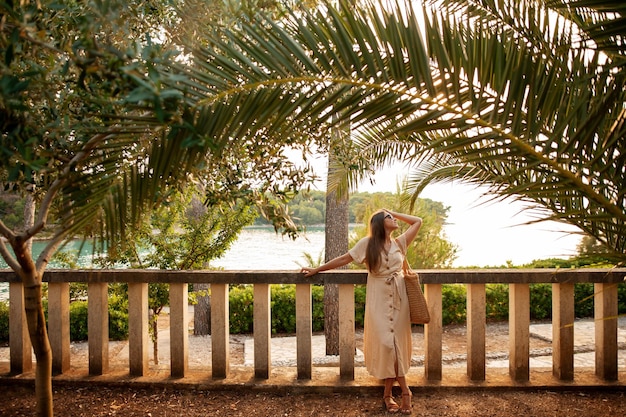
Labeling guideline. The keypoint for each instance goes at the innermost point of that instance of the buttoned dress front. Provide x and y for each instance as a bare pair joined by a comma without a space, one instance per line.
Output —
387,333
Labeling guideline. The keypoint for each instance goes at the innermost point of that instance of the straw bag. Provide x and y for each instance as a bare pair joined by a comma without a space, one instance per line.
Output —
417,302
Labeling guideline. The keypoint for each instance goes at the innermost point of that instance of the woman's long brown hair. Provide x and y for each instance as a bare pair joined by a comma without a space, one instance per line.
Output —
376,243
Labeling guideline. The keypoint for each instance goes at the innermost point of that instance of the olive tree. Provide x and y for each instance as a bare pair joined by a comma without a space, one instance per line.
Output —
87,122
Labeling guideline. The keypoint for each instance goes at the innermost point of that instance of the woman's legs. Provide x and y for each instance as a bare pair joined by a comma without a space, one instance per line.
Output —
390,403
406,407
388,387
403,385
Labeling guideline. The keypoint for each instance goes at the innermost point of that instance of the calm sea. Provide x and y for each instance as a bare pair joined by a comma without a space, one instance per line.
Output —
256,249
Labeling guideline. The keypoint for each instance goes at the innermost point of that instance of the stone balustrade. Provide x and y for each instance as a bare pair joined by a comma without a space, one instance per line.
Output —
605,282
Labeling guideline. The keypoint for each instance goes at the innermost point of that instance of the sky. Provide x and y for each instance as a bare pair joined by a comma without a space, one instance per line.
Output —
487,233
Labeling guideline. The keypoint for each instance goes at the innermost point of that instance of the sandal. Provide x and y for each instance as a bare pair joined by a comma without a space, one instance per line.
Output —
407,409
390,404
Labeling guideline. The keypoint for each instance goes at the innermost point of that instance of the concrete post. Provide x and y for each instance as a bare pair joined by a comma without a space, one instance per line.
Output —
476,324
138,341
220,332
262,323
59,325
563,331
304,331
98,327
21,350
519,332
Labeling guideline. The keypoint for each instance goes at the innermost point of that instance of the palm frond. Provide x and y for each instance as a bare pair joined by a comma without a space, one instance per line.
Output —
502,88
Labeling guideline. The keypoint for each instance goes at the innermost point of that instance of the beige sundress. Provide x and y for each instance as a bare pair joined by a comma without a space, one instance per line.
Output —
387,333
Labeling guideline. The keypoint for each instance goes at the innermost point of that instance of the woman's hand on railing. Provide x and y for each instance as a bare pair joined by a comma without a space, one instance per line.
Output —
337,262
309,272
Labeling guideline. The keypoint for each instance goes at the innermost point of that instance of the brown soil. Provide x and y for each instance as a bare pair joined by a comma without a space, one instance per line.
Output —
82,399
99,401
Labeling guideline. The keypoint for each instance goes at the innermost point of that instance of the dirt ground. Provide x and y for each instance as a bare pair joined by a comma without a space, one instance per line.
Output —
81,399
122,401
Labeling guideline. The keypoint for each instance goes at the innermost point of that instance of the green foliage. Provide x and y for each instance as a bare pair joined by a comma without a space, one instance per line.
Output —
430,249
241,309
158,297
78,291
78,321
283,308
182,235
578,261
283,302
317,295
453,303
621,298
583,300
359,305
513,151
4,322
241,299
118,318
11,211
309,208
540,301
66,259
497,300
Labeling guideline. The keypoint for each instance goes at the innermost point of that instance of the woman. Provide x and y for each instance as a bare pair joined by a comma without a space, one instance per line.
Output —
387,334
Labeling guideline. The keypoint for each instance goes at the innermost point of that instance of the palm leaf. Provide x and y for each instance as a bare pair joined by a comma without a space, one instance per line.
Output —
499,87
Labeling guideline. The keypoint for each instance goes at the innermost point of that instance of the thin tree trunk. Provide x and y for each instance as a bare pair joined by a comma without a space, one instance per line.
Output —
37,330
155,338
202,310
41,345
336,244
35,318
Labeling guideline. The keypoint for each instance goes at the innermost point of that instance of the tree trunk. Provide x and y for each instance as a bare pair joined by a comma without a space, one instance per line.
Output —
202,310
336,244
41,345
37,330
155,338
35,318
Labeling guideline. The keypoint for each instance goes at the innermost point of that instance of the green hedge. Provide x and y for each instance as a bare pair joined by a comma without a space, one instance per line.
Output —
497,300
78,320
4,322
454,310
118,319
283,308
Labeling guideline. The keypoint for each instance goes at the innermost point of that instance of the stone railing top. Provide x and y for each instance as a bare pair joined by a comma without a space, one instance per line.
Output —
430,276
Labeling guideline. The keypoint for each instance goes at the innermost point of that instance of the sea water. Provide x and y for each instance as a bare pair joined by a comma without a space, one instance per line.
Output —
257,248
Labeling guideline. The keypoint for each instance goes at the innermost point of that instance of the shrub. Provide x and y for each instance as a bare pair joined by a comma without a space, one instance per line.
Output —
283,303
118,319
359,305
583,300
497,300
540,301
4,322
240,300
78,321
453,303
283,308
621,298
118,316
317,294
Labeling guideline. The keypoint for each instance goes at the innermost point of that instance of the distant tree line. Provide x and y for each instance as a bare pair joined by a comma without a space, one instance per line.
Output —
309,208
